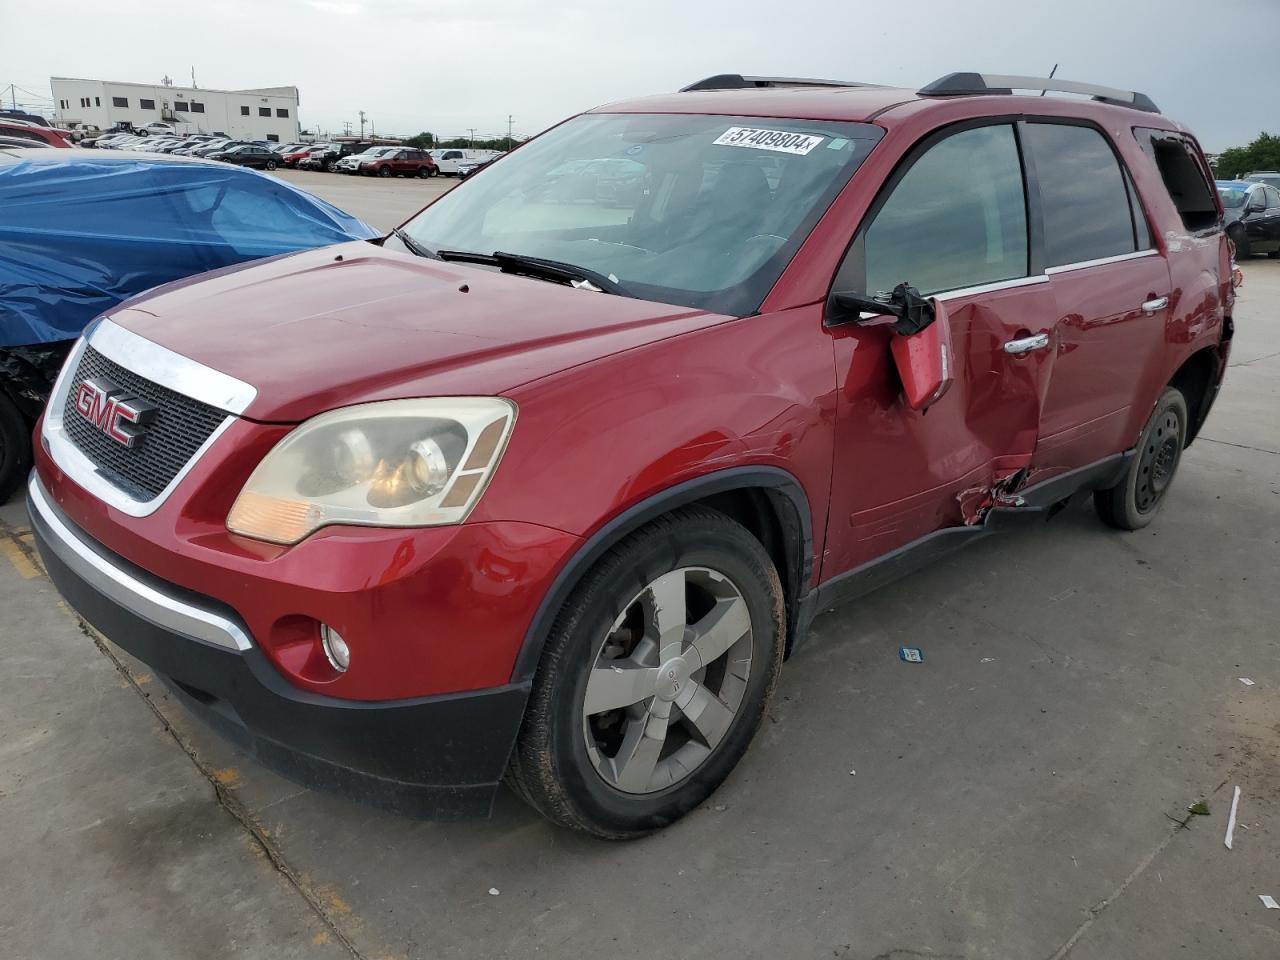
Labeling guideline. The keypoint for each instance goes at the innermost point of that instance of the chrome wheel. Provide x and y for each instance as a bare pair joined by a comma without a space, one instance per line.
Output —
667,681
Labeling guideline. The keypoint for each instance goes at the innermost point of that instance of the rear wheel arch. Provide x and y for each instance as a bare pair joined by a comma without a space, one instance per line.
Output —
1197,380
768,501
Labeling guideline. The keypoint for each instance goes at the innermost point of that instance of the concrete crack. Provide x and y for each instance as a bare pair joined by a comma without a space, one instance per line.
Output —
228,800
1241,446
1245,363
1097,909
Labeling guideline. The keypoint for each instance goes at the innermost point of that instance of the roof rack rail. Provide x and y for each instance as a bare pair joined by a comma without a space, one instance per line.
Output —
973,84
736,81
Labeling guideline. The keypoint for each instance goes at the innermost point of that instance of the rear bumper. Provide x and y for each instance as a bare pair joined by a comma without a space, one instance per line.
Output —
436,757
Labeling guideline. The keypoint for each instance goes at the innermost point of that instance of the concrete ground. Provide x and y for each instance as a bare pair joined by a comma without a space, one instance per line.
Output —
1021,794
381,203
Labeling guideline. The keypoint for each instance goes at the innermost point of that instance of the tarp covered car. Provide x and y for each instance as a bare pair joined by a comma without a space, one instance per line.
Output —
82,231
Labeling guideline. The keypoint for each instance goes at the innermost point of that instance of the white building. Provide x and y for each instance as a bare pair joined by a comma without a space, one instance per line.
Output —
270,113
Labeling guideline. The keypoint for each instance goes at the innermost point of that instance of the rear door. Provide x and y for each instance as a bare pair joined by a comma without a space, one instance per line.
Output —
1111,290
953,222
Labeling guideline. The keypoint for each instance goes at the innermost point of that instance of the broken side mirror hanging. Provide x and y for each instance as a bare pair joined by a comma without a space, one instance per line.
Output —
921,345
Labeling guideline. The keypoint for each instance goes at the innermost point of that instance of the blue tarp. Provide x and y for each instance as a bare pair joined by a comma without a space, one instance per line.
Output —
80,234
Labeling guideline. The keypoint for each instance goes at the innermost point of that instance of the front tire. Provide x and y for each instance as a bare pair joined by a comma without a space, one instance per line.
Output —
1133,502
271,164
654,678
15,447
1243,251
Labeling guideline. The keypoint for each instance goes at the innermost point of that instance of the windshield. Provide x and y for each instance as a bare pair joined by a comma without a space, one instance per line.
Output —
377,151
704,211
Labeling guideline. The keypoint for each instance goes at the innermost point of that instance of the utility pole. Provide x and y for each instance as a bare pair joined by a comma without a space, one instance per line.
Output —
471,140
346,127
509,121
361,124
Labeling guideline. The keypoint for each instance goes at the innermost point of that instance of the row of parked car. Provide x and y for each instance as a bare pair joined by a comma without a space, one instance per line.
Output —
352,157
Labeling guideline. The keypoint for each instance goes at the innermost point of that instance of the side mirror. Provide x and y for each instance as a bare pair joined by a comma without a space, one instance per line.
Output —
921,343
925,360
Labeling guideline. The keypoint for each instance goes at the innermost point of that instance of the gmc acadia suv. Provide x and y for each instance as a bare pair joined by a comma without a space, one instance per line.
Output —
545,486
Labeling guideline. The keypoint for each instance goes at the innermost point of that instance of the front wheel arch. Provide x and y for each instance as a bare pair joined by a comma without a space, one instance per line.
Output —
769,501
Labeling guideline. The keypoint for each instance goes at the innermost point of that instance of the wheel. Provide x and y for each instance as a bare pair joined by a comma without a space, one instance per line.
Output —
327,166
654,678
271,164
1133,502
424,172
1274,254
384,171
15,447
433,171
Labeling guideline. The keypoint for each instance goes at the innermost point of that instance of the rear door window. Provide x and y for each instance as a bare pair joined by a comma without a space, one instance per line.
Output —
957,218
1084,198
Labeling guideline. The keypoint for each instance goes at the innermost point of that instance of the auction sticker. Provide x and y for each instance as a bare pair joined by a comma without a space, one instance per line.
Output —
780,141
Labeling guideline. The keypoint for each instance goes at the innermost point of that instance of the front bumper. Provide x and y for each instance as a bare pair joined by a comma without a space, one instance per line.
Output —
438,757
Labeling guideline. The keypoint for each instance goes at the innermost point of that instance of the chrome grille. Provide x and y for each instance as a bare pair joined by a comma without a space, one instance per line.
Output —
178,429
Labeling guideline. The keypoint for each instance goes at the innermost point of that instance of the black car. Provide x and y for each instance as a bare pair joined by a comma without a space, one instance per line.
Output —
1252,218
249,155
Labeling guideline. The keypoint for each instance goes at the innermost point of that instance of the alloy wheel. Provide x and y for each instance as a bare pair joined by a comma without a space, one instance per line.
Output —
667,681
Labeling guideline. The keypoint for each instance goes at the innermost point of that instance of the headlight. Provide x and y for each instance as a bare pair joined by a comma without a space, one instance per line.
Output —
399,463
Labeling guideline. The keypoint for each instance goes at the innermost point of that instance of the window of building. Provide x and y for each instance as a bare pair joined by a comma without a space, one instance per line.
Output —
182,106
197,107
97,102
956,219
1083,198
264,111
1183,176
274,138
281,112
118,101
146,104
244,111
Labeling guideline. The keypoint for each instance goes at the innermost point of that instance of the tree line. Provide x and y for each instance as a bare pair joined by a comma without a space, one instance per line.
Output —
1262,154
428,141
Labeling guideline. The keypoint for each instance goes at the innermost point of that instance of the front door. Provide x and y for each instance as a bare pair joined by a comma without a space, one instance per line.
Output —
952,223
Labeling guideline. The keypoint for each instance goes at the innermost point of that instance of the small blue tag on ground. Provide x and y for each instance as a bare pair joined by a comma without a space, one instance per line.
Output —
911,654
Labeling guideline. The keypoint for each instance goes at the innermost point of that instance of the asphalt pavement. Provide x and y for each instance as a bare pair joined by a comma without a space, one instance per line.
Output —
1020,794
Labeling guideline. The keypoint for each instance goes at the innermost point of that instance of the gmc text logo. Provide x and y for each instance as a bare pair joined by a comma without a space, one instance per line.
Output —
111,410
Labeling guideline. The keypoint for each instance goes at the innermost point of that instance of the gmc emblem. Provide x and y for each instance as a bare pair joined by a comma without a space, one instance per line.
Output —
111,410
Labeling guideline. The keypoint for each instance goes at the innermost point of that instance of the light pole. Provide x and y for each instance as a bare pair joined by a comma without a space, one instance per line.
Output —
471,140
509,120
361,124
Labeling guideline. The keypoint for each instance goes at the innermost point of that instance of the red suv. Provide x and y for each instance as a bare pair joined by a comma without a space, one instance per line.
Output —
547,485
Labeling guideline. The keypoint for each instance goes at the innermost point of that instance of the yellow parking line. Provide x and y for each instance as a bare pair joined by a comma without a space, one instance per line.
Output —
18,557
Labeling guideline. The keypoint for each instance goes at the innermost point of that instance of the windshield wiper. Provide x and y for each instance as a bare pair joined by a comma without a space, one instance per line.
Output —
558,270
414,246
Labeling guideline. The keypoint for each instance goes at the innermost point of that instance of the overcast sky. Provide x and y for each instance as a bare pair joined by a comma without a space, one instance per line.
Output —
445,66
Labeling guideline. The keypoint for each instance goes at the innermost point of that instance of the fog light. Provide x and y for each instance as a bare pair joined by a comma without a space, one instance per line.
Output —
335,648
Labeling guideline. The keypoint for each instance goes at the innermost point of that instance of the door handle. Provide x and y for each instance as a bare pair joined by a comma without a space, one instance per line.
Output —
1026,344
1156,305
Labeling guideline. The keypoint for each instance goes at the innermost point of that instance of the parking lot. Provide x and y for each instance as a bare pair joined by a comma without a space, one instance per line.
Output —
1022,793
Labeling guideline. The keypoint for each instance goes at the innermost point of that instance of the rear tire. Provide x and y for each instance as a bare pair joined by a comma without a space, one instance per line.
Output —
1134,502
1243,252
15,447
423,173
690,585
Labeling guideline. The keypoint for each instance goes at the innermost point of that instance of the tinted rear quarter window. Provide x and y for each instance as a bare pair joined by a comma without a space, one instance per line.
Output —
1083,194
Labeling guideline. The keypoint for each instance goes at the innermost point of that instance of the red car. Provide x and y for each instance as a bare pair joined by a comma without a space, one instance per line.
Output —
291,159
405,162
547,486
49,136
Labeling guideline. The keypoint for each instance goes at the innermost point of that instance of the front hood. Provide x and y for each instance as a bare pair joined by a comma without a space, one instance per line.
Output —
352,323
